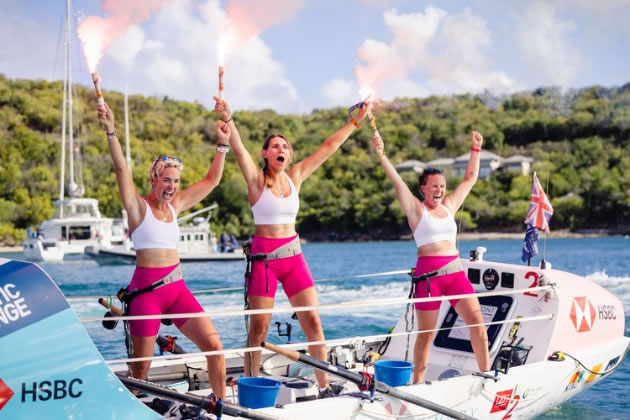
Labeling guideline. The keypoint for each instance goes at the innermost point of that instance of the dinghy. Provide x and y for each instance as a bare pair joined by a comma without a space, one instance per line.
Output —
552,335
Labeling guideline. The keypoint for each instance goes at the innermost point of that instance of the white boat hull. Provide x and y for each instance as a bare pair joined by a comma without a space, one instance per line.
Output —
572,333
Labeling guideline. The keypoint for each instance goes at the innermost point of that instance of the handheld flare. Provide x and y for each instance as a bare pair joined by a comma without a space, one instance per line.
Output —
221,71
97,85
372,119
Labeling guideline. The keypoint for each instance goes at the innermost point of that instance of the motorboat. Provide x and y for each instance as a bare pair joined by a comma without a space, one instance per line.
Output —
197,243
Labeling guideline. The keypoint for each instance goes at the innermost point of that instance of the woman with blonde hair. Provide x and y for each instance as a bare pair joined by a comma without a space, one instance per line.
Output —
157,286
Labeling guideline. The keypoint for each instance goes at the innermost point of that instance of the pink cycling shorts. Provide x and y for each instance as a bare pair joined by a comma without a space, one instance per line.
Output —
292,272
174,298
448,284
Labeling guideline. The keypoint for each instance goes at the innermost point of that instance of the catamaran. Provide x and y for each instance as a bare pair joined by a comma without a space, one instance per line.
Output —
77,221
552,335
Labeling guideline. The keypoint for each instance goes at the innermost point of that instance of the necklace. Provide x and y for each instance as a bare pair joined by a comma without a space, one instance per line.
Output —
159,213
281,189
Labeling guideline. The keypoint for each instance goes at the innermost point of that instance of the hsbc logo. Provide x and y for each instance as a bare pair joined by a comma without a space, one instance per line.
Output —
5,394
583,314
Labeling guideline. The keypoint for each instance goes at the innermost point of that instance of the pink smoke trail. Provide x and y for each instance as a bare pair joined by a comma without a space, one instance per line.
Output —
248,18
97,33
381,64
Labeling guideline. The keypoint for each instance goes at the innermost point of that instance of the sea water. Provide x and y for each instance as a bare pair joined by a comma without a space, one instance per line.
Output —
605,261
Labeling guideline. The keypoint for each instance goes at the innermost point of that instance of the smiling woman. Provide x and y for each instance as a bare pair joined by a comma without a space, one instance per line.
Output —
434,230
157,286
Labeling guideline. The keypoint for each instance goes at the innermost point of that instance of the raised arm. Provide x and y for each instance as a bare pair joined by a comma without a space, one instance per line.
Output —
409,203
251,172
455,199
190,196
131,200
305,168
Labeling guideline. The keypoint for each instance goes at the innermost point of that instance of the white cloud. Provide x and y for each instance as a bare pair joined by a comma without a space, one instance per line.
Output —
545,44
339,92
175,54
431,52
125,49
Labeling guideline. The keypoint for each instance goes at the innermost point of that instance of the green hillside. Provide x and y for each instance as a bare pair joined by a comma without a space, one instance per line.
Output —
579,141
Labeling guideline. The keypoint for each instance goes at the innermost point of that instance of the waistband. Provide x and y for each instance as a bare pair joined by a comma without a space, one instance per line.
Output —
274,248
146,276
452,266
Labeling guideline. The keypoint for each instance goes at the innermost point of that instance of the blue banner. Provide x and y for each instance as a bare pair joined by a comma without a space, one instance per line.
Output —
530,245
27,296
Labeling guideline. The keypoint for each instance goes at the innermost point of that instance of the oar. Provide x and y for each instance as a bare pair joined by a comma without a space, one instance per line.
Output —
363,381
206,403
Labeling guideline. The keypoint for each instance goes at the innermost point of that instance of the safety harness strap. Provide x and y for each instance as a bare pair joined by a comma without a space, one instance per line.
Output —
126,297
454,266
289,249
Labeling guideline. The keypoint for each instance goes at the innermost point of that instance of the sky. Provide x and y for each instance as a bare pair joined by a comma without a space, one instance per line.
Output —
294,56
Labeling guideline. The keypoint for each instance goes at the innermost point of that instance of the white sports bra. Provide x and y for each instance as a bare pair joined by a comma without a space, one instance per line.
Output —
272,210
432,229
152,233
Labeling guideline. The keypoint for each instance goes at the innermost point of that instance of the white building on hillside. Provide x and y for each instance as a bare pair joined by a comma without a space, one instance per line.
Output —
489,162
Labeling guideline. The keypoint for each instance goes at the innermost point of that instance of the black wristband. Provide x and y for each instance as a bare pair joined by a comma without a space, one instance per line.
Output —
228,120
112,134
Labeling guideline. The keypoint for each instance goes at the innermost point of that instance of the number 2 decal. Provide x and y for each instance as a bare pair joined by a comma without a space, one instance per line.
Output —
516,399
534,283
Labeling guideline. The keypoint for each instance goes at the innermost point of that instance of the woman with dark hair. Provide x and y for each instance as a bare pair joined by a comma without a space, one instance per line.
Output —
157,286
434,229
275,250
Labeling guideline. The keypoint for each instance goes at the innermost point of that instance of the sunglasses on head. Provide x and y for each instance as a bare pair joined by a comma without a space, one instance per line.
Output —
167,158
430,171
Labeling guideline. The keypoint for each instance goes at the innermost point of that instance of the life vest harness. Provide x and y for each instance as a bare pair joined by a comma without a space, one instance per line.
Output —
454,266
125,296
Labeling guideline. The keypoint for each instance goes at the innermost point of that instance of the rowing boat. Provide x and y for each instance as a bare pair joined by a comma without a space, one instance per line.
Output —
552,335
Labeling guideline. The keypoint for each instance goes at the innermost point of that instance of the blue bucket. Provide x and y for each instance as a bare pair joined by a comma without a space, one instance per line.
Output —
393,372
254,392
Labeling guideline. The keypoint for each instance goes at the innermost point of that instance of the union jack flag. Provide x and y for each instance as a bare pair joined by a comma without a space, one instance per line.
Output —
540,209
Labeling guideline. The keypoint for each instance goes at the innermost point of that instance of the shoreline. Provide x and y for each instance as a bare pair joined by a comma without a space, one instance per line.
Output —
11,249
559,234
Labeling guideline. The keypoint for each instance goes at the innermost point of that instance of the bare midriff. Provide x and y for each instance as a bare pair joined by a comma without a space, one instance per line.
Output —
276,231
436,249
156,257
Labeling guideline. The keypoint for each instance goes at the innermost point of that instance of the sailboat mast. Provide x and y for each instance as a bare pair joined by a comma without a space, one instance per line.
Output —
72,184
63,113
